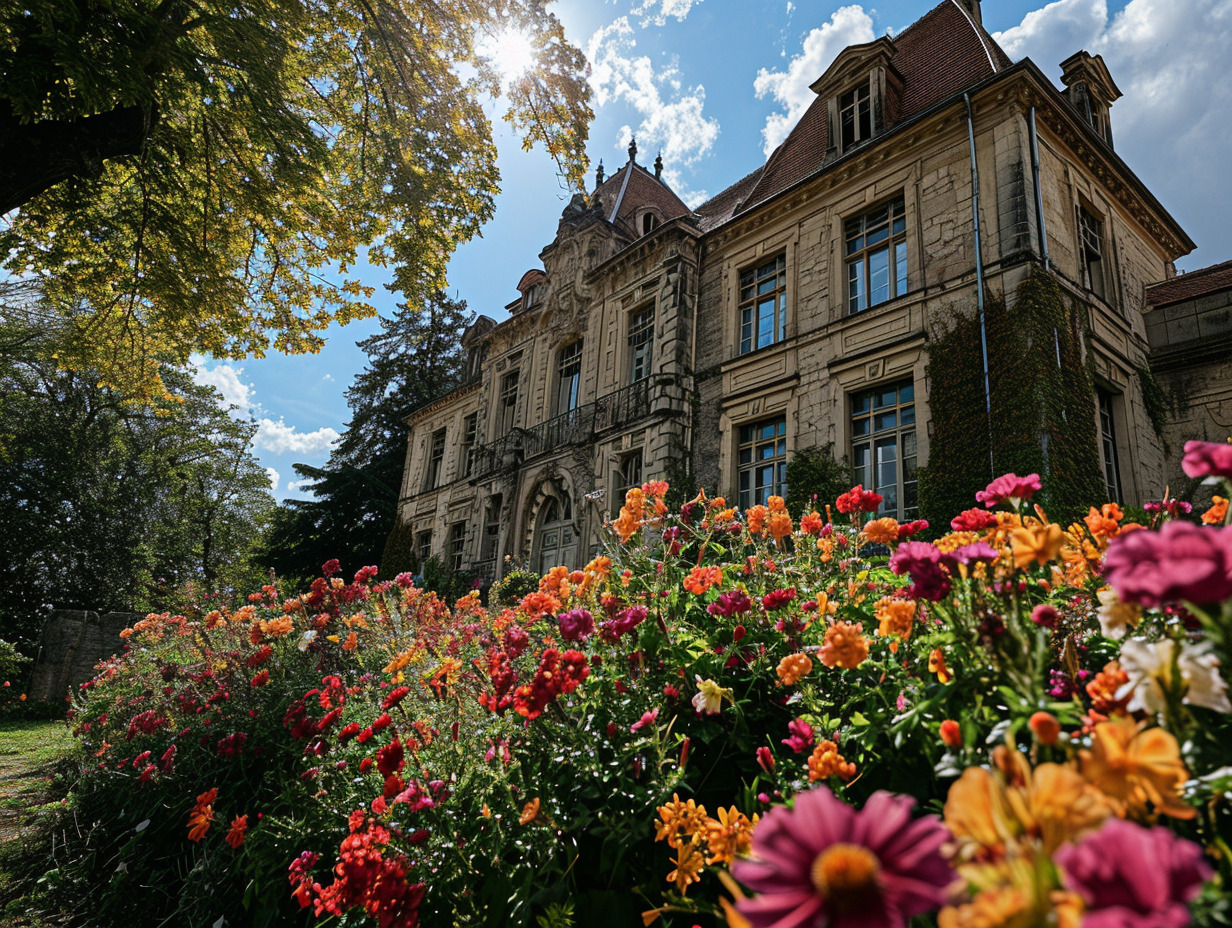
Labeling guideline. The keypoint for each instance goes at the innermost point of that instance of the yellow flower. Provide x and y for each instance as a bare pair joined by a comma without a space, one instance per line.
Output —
710,696
689,865
729,837
896,617
1036,543
1139,770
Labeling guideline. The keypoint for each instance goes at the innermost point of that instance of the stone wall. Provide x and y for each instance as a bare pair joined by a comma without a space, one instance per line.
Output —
72,643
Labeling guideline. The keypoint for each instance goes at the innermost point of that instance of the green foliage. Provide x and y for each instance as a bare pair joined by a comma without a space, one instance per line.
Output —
1042,398
399,552
187,170
510,589
415,358
12,665
1156,403
111,506
815,479
450,585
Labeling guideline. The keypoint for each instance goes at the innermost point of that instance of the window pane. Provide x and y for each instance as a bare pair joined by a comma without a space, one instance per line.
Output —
885,420
900,264
879,277
855,285
906,393
885,398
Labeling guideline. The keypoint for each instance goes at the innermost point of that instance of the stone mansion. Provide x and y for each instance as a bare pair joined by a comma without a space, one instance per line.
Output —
794,310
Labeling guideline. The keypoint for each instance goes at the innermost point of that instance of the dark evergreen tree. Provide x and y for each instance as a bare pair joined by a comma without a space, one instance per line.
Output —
416,357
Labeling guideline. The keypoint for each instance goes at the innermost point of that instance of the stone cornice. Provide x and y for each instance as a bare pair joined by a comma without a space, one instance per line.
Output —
441,401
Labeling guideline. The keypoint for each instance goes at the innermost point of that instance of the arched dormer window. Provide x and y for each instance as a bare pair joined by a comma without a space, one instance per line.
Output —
650,222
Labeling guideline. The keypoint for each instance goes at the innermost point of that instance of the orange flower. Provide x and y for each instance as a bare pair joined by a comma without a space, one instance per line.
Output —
811,522
1104,687
700,579
276,628
826,547
656,489
1136,767
844,646
936,664
556,583
755,517
1218,511
537,604
793,667
896,617
530,812
780,525
1045,727
202,815
632,514
689,864
881,531
826,762
1104,523
951,734
351,643
1036,542
730,836
235,837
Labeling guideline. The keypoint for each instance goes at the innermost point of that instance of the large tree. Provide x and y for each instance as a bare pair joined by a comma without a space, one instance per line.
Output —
203,173
111,505
416,357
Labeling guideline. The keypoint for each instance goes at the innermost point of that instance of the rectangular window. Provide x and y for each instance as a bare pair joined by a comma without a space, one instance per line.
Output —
763,304
641,343
883,454
491,529
435,456
569,378
762,456
1108,445
457,545
1091,241
423,546
629,476
470,438
508,402
855,116
877,256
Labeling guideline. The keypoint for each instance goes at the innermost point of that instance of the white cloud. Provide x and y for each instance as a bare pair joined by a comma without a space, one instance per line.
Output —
1169,58
274,477
280,438
848,25
656,12
298,486
672,116
226,380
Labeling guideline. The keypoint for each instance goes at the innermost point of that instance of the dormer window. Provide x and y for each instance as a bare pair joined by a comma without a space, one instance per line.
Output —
1091,90
650,222
532,295
855,115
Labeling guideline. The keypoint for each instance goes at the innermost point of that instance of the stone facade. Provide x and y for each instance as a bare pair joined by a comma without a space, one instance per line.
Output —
72,643
795,309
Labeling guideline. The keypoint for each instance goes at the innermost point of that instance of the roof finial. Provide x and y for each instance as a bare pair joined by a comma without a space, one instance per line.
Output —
599,174
659,166
633,149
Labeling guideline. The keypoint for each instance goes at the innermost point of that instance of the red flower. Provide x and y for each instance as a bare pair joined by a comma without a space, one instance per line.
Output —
858,499
391,758
1009,486
777,599
973,520
235,837
260,678
951,734
395,696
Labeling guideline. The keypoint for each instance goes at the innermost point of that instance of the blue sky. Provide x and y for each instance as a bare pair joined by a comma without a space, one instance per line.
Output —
715,84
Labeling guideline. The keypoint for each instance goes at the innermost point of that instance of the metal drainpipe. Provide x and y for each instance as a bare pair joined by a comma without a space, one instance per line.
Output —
979,278
1039,193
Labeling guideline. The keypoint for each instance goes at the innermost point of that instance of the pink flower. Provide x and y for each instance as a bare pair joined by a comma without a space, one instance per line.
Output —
801,736
1009,486
823,862
576,625
1207,459
1180,562
929,580
971,554
1134,877
765,759
647,718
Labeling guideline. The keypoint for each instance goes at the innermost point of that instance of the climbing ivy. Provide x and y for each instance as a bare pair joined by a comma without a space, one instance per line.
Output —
1042,401
1156,403
815,478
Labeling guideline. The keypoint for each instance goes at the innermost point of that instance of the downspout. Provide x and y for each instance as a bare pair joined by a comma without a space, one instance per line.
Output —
979,278
1039,193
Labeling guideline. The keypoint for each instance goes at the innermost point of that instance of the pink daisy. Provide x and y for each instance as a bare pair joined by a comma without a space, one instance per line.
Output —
823,862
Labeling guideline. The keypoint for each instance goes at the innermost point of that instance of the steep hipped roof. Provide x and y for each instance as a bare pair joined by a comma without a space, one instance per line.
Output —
1191,286
937,56
641,190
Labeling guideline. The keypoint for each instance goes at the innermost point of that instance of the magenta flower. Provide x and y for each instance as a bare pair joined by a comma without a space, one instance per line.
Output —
929,579
1180,562
1207,459
1009,486
971,554
801,736
576,624
648,718
1134,877
823,862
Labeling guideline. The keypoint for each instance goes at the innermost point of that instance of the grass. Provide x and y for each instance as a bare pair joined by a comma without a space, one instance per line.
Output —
29,751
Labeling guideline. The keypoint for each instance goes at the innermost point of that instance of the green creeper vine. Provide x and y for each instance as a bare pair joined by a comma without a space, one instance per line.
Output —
1042,398
1156,403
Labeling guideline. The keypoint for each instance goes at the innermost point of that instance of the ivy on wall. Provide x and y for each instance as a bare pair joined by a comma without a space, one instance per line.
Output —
815,479
1042,398
1156,403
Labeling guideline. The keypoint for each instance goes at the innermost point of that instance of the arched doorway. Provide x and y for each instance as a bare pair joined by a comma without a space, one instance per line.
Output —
555,541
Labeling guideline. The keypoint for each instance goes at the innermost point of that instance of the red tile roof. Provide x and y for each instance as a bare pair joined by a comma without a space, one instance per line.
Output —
937,56
1191,286
642,190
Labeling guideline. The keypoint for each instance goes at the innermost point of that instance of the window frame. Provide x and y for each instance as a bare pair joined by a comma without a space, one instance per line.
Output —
455,546
423,546
1092,241
624,478
640,342
436,458
859,102
752,300
747,438
507,404
1110,459
569,365
858,251
903,435
470,441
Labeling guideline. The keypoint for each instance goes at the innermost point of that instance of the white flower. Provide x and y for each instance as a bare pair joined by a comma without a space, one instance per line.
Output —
710,695
1150,667
306,639
1115,616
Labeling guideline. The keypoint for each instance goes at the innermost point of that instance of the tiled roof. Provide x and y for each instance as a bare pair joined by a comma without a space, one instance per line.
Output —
642,190
719,208
1191,286
937,56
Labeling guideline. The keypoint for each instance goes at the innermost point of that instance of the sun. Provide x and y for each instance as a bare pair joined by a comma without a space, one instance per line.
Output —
511,53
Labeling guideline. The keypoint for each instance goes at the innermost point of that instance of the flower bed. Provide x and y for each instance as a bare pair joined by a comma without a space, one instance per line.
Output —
726,718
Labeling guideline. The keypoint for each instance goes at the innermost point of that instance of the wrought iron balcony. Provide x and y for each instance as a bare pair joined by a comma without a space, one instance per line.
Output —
576,427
